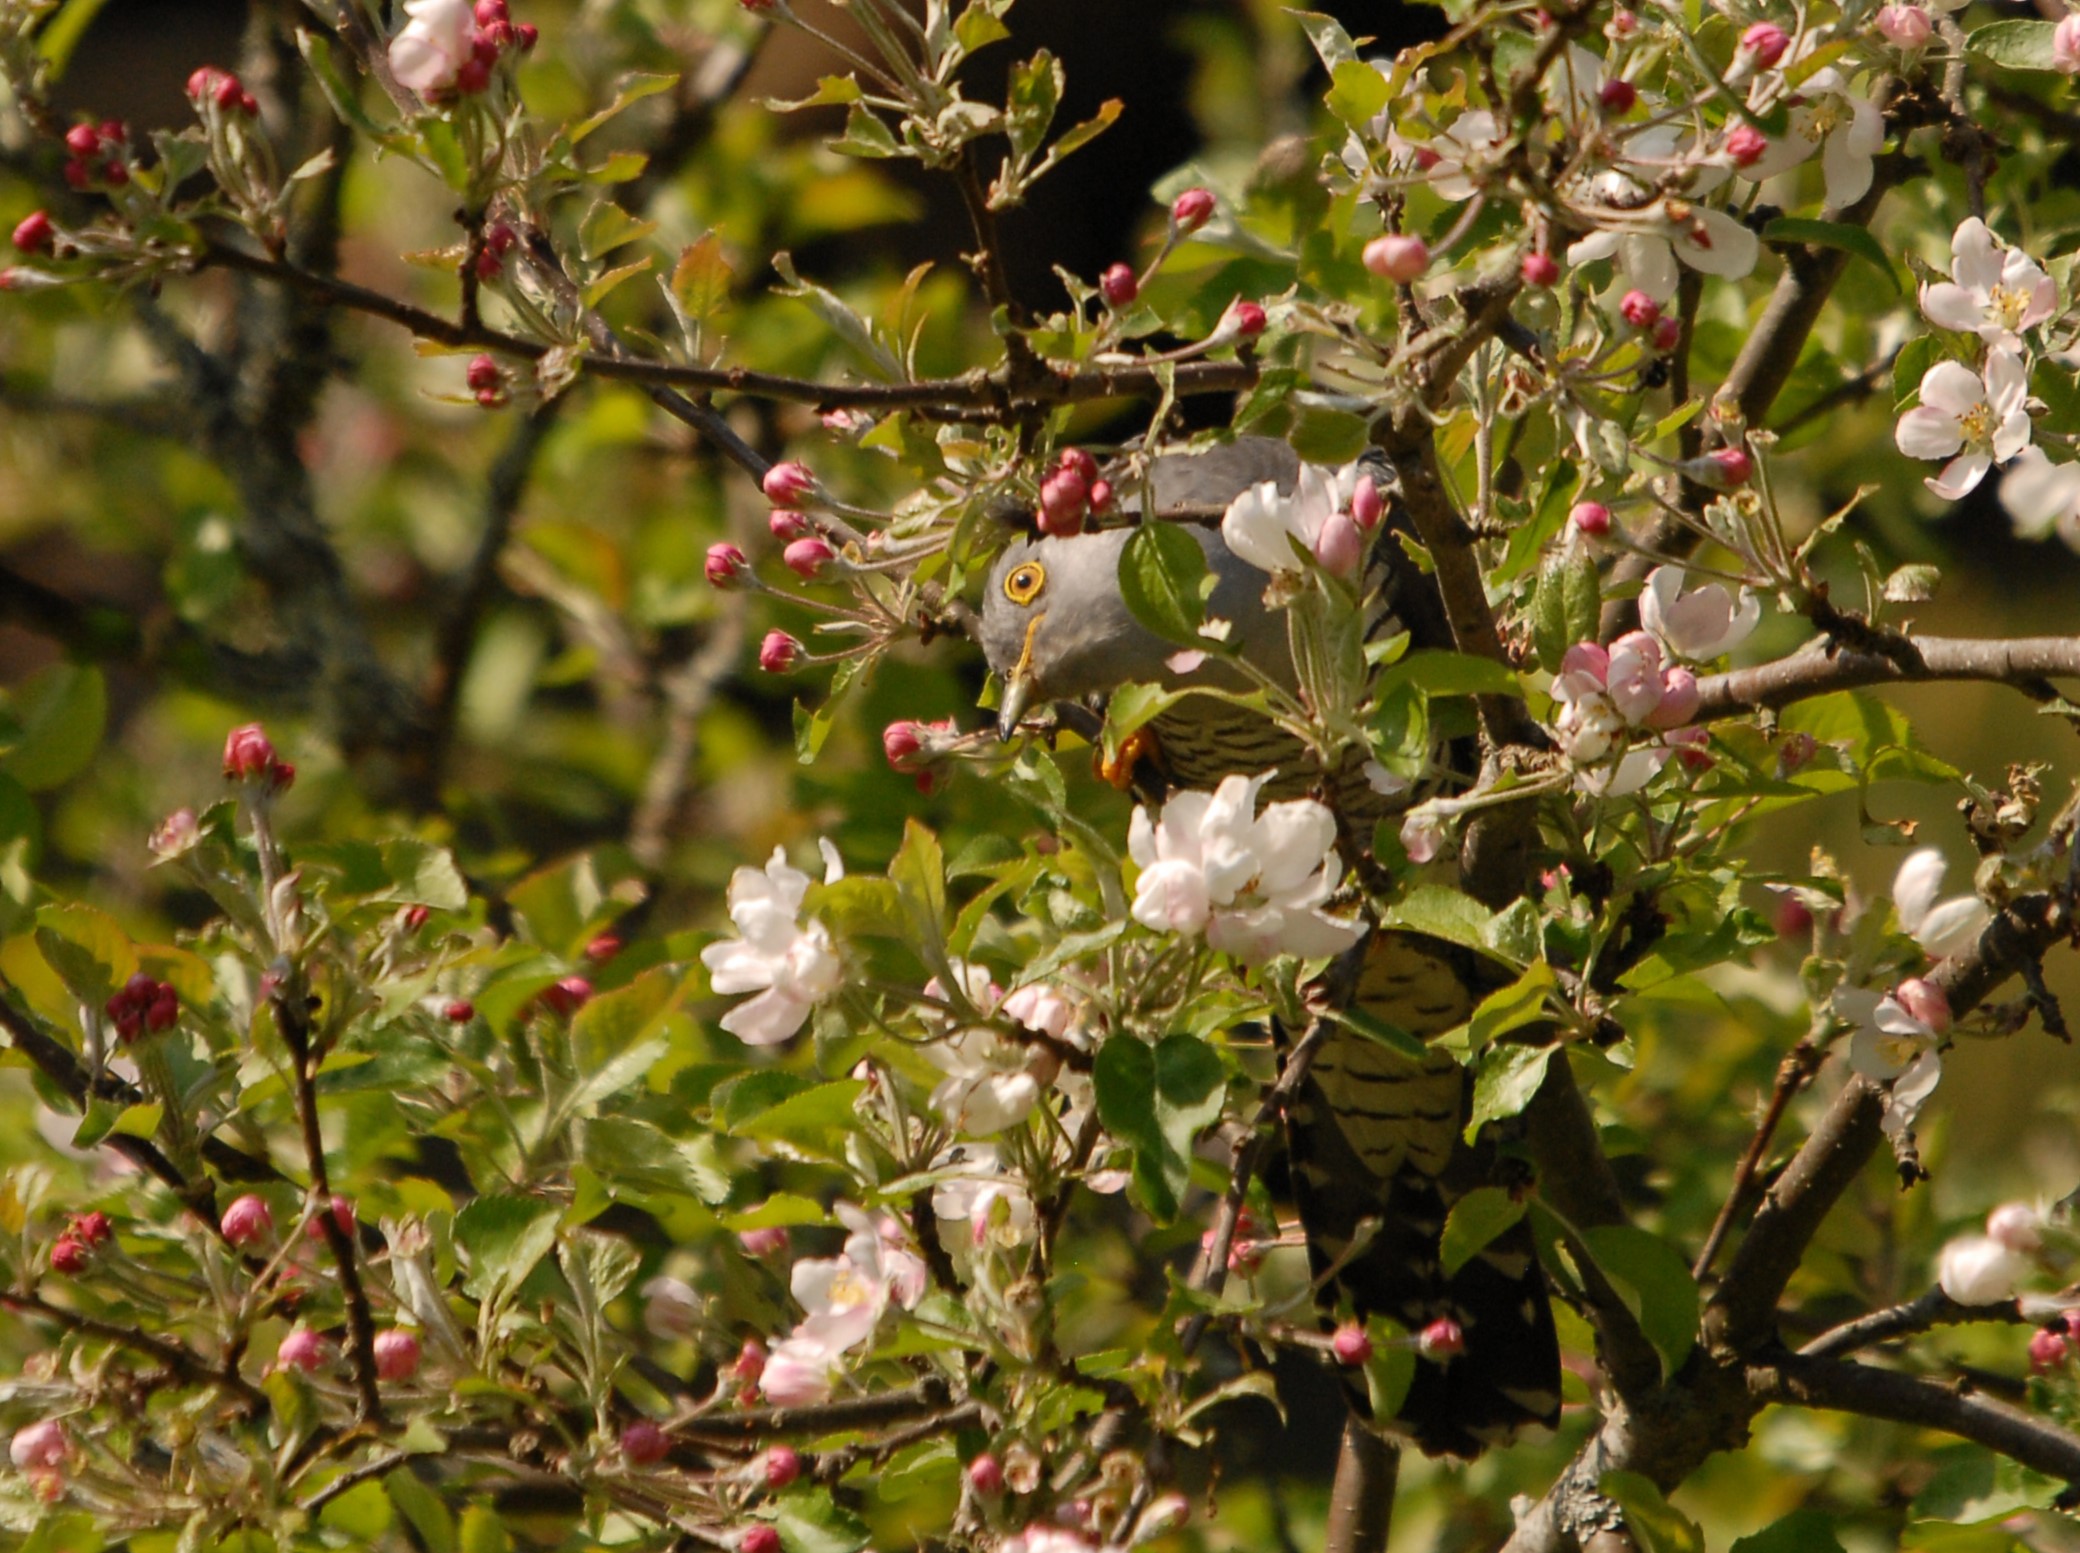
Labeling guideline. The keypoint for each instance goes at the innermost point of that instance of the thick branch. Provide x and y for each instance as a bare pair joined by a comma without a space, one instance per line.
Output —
1819,669
183,1364
924,1400
1361,1501
1933,1309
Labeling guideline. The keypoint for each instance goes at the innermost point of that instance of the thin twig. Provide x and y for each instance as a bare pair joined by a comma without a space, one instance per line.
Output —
1793,1074
1933,1309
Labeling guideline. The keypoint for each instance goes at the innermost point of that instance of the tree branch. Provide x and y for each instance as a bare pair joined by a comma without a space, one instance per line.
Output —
1361,1500
1822,667
1933,1309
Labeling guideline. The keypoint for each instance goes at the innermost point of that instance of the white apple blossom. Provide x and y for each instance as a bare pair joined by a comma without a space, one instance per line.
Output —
791,966
1253,884
1647,243
434,44
980,1203
993,1078
1979,1270
671,1307
799,1372
1829,117
2042,498
1456,159
2016,1225
1890,1046
1605,695
1974,419
1262,522
1994,291
1699,624
2065,44
843,1298
1942,928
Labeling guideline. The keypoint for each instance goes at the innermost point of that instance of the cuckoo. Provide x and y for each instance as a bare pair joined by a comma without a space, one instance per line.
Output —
1375,1137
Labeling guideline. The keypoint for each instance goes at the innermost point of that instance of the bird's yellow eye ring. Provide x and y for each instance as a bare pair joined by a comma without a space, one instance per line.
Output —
1024,583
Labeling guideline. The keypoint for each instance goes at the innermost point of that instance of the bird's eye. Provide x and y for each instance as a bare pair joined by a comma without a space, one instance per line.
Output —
1025,582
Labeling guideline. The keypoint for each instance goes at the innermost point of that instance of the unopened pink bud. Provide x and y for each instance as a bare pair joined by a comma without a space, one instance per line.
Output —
1666,333
248,753
2065,44
460,1011
567,996
782,1464
1192,209
1925,1001
1623,24
1794,918
1679,699
1441,1339
1618,96
727,566
770,1241
1905,26
779,652
603,947
1064,498
1101,496
1243,320
69,1256
1340,545
93,1228
758,1537
749,1364
42,1444
397,1354
787,525
1765,42
83,140
1367,505
1080,461
644,1444
2047,1349
482,373
1350,1345
1733,464
342,1214
1590,519
902,743
1539,269
2017,1226
34,233
302,1349
1397,257
1639,309
808,557
1119,285
1798,749
788,485
986,1474
247,1222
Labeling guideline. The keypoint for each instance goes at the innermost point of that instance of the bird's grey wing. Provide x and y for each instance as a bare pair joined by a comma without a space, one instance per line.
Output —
1217,475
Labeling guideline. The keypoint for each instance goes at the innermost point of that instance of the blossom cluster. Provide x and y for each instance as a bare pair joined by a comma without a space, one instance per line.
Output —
451,46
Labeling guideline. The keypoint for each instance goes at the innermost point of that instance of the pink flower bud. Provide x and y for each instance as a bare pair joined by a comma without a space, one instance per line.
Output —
749,1364
787,525
782,1464
83,140
489,13
1590,519
1243,320
41,1444
1191,210
1765,43
1925,1001
758,1537
1101,496
603,948
644,1444
342,1214
1618,96
1904,26
302,1349
1397,257
526,35
1794,918
397,1354
2047,1349
1080,462
248,754
34,233
1733,464
902,743
1623,24
727,566
92,1228
1340,545
1798,749
1441,1339
757,5
483,372
1639,309
788,485
1666,333
770,1241
1746,144
986,1475
2065,44
1350,1345
807,558
247,1221
460,1011
1367,505
69,1256
1119,285
1679,699
1064,497
778,652
1539,269
2016,1225
567,996
473,76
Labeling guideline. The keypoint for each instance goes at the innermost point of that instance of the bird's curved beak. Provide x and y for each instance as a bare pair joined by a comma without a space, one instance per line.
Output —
1012,708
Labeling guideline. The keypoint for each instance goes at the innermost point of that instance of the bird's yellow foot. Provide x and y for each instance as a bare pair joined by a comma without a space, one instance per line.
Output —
1135,748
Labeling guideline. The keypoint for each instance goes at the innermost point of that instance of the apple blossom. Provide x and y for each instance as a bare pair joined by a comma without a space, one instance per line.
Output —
1262,524
1994,291
1826,116
247,1221
1699,624
791,966
2047,1349
1253,884
1397,258
41,1444
1979,417
978,1203
1904,25
2065,44
1942,928
1192,209
671,1307
779,652
397,1354
2017,1226
2041,497
1979,1270
1367,505
992,1079
428,55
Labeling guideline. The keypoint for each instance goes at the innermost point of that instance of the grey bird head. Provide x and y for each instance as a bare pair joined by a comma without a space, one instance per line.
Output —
1055,626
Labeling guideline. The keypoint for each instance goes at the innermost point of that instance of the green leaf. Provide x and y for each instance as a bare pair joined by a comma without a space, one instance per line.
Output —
1449,674
1331,43
60,714
1844,235
1659,1525
1504,1081
483,1531
979,27
781,1210
615,1023
809,1521
1802,1531
865,135
632,89
1448,914
817,1121
342,94
1391,1369
919,871
858,906
831,91
424,1509
1654,1281
403,872
87,948
702,279
1162,577
1158,1098
1565,605
502,1239
1330,437
1474,1222
2020,44
1030,106
1911,365
1357,93
1131,707
1373,1028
